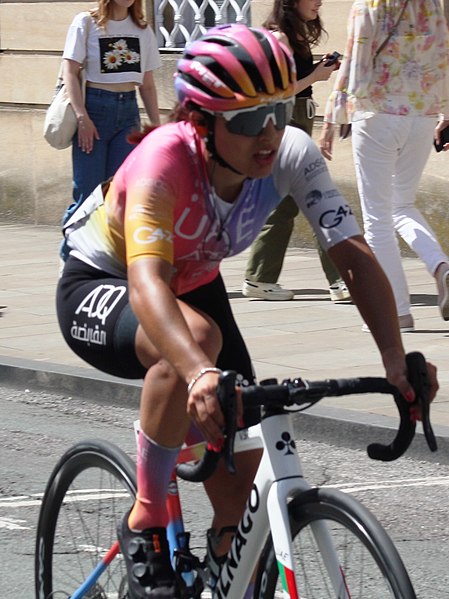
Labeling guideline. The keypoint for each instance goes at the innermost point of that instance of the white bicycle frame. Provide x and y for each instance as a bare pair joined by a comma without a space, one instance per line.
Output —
278,479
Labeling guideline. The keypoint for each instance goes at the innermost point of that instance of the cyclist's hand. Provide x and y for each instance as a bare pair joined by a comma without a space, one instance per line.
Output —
204,409
326,140
87,132
396,373
432,380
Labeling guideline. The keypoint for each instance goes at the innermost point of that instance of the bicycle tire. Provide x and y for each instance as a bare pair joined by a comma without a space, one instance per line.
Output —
371,564
88,492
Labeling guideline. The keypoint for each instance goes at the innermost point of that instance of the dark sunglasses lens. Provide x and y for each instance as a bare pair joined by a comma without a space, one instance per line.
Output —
248,123
284,113
253,122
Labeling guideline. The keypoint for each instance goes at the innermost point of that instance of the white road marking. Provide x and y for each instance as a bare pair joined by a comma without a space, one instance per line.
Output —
13,524
437,481
20,501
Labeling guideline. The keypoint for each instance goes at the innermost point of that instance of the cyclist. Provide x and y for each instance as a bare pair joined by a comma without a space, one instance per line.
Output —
141,294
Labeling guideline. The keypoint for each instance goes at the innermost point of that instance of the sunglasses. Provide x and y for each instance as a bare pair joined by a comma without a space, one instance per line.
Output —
252,121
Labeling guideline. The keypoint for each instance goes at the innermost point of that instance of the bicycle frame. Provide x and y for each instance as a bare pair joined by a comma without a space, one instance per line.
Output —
278,479
279,495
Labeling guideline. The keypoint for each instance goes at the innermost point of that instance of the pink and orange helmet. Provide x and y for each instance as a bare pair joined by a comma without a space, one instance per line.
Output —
233,67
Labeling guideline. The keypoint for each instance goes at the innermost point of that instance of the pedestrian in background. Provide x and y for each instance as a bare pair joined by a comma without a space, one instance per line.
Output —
393,86
298,25
119,52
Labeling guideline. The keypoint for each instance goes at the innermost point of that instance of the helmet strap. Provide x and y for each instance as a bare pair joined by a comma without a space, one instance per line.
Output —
208,133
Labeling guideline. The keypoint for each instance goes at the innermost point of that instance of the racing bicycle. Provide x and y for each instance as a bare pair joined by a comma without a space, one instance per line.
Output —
301,542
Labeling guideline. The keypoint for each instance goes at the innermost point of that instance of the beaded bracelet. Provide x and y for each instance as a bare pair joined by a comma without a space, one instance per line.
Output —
199,375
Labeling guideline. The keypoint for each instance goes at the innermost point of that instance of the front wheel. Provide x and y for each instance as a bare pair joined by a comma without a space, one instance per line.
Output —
88,492
370,565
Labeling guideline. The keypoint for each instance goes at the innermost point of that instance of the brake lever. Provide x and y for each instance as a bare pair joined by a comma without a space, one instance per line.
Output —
227,396
404,436
419,379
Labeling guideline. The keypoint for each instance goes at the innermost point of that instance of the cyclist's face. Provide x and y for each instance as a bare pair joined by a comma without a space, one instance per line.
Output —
252,156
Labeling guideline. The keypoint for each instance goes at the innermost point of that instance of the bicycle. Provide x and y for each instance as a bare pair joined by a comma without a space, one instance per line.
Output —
301,541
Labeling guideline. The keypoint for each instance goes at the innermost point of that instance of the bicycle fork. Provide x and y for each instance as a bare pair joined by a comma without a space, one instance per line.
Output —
289,483
279,479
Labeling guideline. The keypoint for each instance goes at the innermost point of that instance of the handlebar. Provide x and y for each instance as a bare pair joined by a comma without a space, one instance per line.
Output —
274,397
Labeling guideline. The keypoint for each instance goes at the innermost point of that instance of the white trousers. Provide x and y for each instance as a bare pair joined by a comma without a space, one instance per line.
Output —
390,153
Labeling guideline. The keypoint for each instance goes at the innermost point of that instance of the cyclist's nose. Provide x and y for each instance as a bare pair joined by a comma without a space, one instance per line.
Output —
269,130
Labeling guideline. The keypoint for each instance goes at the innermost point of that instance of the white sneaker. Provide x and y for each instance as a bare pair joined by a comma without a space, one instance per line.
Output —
442,278
406,324
266,291
339,292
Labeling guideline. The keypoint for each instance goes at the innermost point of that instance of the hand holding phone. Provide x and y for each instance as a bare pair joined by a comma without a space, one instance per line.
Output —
444,139
332,59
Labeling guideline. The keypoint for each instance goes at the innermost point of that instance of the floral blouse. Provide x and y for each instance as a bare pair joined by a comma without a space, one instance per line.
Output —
408,76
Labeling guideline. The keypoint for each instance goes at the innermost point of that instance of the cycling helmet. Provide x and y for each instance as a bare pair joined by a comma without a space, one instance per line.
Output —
233,67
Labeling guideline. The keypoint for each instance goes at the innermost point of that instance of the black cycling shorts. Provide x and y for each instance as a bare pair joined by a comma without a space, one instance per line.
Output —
99,325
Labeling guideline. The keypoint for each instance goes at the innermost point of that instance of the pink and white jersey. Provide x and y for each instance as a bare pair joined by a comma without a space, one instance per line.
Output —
160,204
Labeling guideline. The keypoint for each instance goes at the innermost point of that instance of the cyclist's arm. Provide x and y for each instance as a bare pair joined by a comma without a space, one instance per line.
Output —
148,229
159,314
152,193
303,173
372,293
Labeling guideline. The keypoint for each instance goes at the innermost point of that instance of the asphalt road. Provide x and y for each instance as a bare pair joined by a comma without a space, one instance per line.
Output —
410,496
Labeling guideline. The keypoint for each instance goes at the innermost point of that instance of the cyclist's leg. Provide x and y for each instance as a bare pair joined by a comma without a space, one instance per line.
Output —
98,324
164,420
228,493
94,310
96,320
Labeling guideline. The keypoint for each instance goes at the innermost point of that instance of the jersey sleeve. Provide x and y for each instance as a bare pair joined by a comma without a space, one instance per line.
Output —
150,200
302,173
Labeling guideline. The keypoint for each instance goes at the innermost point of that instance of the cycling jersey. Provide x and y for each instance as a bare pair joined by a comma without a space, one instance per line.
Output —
161,204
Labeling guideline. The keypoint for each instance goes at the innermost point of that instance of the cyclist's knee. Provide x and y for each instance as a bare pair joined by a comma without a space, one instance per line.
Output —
208,336
165,374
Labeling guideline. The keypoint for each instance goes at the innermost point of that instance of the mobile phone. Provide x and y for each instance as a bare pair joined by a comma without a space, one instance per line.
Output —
444,139
332,59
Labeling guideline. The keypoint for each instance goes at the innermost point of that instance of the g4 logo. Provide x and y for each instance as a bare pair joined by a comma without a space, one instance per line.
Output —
147,235
333,218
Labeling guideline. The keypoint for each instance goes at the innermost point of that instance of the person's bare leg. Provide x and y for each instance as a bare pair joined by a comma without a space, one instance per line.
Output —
228,494
164,421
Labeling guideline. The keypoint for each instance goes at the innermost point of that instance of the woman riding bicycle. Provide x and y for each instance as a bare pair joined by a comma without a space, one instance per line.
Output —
142,295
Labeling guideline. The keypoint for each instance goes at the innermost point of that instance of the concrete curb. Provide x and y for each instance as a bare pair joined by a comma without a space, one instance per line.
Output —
80,382
337,426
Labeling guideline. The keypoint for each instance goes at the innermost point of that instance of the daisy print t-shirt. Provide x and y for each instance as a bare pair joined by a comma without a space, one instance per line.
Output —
119,52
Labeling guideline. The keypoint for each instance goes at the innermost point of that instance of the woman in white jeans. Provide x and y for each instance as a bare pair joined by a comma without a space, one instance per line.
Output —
393,86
